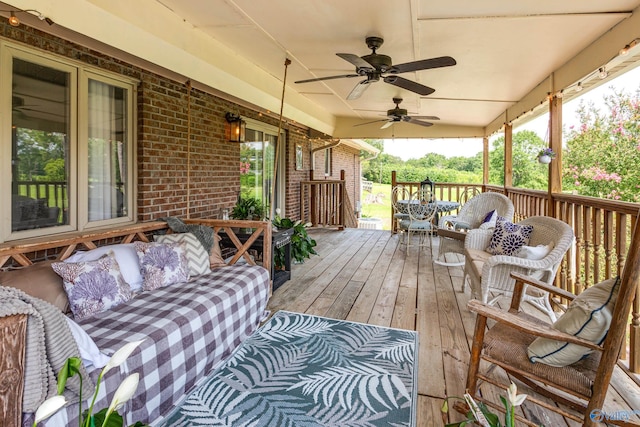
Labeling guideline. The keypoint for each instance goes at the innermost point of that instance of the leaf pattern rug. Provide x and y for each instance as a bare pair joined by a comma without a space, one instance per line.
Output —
303,370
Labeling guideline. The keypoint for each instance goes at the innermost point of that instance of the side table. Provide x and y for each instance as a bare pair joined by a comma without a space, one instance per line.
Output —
451,241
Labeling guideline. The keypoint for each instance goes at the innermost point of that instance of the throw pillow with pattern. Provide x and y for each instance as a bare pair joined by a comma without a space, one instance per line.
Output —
508,238
93,286
163,264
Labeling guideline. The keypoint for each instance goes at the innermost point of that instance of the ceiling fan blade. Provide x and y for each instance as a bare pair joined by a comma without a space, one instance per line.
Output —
418,122
426,117
368,123
388,124
424,64
328,78
360,63
409,85
358,90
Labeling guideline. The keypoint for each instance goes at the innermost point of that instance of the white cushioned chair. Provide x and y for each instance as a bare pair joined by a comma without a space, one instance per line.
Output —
471,215
492,273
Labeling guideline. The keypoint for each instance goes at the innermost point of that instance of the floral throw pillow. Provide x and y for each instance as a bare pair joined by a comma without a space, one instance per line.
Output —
163,264
93,286
508,237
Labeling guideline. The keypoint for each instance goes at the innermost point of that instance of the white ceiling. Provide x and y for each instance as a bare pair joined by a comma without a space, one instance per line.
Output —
504,50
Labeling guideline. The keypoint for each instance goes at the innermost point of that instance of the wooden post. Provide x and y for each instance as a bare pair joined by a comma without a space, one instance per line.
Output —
342,196
12,346
485,162
508,157
555,143
394,224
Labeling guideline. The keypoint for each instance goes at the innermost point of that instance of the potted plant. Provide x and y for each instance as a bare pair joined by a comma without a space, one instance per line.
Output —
248,208
546,155
301,243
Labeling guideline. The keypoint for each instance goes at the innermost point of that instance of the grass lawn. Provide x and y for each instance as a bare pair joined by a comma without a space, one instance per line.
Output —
377,204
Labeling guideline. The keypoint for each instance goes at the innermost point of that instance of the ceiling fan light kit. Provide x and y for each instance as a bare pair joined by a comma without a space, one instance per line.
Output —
376,66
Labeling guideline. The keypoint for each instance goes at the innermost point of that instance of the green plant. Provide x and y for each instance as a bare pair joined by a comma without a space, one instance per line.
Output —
107,417
301,243
248,208
479,412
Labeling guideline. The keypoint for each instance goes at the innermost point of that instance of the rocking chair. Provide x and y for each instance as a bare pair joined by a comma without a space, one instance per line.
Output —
581,386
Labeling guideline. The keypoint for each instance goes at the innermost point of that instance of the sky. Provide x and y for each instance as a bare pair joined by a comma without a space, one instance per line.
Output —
416,148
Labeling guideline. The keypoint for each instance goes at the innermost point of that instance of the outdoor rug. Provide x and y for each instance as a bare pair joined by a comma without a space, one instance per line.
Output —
303,370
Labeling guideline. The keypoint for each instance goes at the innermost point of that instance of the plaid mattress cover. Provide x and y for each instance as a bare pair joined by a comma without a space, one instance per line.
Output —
188,330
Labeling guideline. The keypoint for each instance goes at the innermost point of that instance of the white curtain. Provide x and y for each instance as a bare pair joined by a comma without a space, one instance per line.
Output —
106,162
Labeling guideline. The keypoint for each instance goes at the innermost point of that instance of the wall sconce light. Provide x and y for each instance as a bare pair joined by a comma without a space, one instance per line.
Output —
14,21
237,127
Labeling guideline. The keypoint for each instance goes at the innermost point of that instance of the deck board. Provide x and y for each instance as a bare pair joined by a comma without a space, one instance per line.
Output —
368,276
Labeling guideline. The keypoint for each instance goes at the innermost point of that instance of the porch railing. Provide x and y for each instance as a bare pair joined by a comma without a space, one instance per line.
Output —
326,203
602,230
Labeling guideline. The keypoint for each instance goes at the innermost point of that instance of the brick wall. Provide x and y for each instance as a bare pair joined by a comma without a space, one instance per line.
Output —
165,148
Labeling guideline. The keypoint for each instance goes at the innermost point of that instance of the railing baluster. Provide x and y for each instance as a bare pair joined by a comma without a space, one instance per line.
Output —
588,246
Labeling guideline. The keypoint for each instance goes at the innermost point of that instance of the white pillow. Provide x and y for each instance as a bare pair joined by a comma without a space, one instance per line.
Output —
89,351
588,316
535,252
125,256
197,255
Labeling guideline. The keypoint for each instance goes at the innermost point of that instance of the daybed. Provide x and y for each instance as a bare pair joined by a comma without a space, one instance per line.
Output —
188,328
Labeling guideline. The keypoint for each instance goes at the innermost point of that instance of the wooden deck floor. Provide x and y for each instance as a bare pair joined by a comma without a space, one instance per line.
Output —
367,276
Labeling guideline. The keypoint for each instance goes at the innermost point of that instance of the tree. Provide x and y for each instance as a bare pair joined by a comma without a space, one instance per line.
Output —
602,153
527,173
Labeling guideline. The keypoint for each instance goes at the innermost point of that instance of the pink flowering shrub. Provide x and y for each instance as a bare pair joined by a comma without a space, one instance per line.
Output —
602,153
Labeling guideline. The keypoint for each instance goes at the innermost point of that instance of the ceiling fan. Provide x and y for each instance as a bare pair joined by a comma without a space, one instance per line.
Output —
400,115
376,66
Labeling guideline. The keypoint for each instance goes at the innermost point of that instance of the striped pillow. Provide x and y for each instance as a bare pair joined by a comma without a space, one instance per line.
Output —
197,256
588,316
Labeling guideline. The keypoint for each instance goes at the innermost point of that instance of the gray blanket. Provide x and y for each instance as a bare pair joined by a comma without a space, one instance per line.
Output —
48,345
202,232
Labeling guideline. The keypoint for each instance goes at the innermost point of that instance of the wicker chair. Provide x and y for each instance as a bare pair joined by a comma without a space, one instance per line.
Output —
580,388
492,273
470,216
422,208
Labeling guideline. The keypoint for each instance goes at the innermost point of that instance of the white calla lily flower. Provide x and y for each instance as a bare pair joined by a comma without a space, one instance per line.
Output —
121,355
514,398
296,223
49,407
278,211
124,392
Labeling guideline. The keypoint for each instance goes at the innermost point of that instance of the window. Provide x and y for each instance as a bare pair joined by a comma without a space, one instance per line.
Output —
66,148
257,157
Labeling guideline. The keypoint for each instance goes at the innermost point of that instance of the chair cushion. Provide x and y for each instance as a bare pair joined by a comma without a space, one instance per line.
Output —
508,346
534,252
588,316
508,237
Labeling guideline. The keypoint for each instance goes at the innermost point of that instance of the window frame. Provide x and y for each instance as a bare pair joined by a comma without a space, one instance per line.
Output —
79,75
